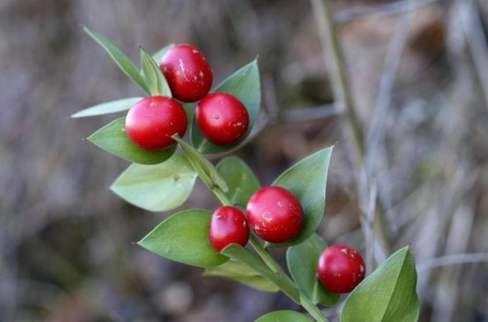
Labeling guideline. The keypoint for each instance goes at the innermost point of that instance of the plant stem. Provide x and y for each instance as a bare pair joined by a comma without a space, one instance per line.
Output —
221,196
344,97
287,286
312,309
265,255
276,268
345,100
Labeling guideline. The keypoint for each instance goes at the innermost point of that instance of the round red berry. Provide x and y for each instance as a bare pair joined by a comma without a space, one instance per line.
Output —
341,268
222,118
275,214
187,71
228,226
152,121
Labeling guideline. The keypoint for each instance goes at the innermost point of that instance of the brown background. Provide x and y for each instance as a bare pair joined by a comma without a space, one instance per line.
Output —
66,242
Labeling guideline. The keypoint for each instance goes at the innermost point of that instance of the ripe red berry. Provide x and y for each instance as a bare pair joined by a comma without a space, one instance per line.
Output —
228,226
341,268
275,214
152,121
222,118
187,71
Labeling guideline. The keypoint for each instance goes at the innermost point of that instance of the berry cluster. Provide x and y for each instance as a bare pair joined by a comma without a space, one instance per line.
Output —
222,118
275,215
286,214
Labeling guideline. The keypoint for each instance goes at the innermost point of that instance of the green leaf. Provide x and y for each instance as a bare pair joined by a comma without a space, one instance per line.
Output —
124,62
388,294
241,254
240,179
243,84
284,316
307,180
158,56
108,107
183,238
155,81
302,262
206,171
159,187
242,273
113,139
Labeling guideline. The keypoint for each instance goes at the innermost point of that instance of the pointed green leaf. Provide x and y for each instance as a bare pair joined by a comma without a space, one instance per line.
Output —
243,274
158,56
183,238
206,171
155,81
240,179
108,107
241,254
307,180
302,262
388,294
113,139
124,62
284,316
159,187
243,84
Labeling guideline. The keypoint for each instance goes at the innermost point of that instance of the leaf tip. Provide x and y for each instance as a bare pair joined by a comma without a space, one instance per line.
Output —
89,32
142,243
91,138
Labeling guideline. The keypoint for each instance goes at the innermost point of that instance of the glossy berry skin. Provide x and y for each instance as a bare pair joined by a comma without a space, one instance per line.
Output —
341,268
228,226
275,214
152,121
222,118
187,71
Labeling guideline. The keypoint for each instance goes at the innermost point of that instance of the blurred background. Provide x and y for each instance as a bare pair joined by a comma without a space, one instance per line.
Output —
419,75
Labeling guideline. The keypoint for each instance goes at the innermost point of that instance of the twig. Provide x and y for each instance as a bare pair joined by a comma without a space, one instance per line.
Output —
293,116
476,38
310,113
368,218
457,259
447,289
375,160
344,98
386,9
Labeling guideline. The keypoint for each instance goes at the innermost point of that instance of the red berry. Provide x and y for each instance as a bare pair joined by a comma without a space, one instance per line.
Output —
222,118
275,214
228,226
152,121
187,71
341,268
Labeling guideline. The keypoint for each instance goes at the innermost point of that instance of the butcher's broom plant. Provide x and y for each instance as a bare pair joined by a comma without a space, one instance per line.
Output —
168,133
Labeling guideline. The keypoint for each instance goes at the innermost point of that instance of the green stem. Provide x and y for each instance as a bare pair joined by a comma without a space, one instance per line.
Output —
286,284
312,309
221,196
265,255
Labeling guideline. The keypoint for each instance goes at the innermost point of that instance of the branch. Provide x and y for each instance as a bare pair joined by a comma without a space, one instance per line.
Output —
344,101
333,50
476,38
457,259
386,9
310,113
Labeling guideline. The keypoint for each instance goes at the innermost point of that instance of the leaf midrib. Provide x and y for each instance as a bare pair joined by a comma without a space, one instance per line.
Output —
395,287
